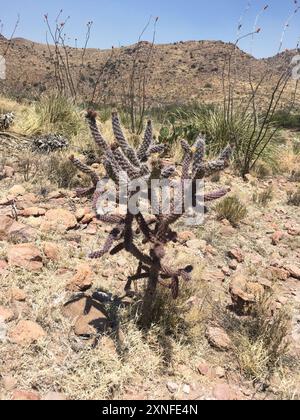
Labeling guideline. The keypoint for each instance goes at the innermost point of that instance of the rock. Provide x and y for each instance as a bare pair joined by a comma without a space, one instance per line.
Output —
213,275
8,172
33,212
17,295
205,369
26,332
17,190
5,224
88,315
220,372
20,233
293,270
80,213
236,254
51,251
211,250
9,383
3,267
25,396
277,273
226,271
6,314
277,238
233,265
218,338
55,195
25,256
172,387
223,392
227,231
244,294
88,218
197,244
55,396
186,389
82,280
60,220
184,237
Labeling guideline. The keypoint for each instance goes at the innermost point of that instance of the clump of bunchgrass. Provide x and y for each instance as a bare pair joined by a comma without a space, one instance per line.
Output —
231,209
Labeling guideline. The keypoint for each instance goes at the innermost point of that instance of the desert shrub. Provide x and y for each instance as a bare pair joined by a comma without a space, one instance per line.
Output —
264,198
294,198
53,114
232,209
287,119
58,170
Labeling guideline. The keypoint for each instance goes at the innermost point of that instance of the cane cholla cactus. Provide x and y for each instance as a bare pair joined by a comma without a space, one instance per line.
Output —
157,231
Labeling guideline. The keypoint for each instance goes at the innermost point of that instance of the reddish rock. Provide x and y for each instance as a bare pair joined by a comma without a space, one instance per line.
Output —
277,273
6,314
26,332
18,232
33,212
88,218
205,370
88,316
218,338
244,294
60,220
25,396
223,392
17,190
17,295
293,270
55,396
25,256
233,265
213,275
82,280
5,224
3,267
184,237
277,238
236,254
51,251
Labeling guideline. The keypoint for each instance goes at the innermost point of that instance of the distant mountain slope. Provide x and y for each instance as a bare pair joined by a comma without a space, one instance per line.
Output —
180,72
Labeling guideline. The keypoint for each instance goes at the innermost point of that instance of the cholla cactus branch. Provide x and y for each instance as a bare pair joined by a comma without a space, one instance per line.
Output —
127,149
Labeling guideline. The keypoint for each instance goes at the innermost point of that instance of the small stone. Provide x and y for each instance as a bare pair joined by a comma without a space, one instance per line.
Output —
25,256
293,270
218,338
233,265
5,224
6,314
26,332
60,220
204,369
277,273
82,280
33,212
17,190
172,387
88,218
17,295
52,251
213,275
55,396
184,237
236,254
223,392
25,396
186,389
220,372
244,293
277,238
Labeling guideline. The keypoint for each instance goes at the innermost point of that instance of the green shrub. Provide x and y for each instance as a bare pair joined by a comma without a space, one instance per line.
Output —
264,198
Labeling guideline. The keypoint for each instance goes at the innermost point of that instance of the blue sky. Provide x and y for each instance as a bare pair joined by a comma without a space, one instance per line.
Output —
119,22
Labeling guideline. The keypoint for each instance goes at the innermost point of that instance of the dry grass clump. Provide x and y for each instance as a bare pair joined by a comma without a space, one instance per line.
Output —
264,198
231,209
260,340
52,114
